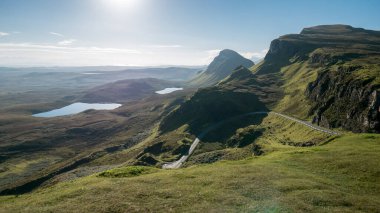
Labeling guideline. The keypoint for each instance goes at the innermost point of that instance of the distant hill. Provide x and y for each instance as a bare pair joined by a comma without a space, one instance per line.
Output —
221,67
126,90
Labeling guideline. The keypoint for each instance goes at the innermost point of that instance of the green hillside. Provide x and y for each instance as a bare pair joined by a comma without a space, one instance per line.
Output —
126,90
340,176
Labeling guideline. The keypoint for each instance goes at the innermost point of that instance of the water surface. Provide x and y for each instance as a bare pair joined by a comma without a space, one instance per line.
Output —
92,73
168,90
76,108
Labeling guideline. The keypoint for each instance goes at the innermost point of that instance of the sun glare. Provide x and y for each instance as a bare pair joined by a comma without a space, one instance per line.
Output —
122,4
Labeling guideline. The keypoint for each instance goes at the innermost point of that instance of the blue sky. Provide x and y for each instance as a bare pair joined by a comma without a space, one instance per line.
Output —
160,32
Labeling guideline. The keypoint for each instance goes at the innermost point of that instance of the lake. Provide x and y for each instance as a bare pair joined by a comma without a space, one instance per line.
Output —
92,73
168,90
76,108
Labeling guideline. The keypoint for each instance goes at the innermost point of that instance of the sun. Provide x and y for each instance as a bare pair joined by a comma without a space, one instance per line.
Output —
121,4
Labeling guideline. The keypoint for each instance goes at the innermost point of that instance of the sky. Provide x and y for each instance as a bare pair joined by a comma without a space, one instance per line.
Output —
160,32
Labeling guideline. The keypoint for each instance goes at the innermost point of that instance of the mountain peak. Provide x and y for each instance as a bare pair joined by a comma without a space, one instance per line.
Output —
227,61
221,67
228,52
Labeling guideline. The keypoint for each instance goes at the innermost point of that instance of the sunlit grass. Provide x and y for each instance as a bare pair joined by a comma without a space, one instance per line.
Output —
341,176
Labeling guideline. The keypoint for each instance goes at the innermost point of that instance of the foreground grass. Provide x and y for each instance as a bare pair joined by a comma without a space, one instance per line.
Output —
341,176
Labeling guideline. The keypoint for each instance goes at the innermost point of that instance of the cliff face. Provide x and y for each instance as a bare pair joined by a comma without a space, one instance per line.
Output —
339,100
292,48
330,74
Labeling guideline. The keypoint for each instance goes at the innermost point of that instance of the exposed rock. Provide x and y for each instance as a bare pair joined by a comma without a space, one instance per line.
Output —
345,92
342,101
146,160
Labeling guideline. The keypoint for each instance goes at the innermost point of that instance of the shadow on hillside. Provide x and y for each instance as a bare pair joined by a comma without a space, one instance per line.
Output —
227,129
208,107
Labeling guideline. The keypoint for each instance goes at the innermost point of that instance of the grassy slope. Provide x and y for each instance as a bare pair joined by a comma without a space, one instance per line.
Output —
272,133
296,78
341,176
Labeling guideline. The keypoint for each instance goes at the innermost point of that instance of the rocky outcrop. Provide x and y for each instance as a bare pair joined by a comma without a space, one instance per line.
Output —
346,89
319,59
340,100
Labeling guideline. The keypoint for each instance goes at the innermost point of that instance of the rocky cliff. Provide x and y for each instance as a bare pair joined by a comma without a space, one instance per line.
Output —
330,74
339,100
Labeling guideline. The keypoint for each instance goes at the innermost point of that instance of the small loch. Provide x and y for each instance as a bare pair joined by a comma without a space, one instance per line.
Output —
76,108
168,90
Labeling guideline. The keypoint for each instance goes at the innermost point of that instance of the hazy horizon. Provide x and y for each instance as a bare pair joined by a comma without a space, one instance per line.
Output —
105,66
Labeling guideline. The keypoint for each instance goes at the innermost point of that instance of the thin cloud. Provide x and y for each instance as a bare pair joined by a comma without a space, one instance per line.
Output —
66,42
210,55
31,46
254,55
213,53
4,34
45,54
56,34
166,46
31,54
